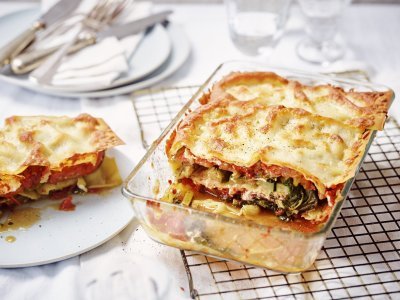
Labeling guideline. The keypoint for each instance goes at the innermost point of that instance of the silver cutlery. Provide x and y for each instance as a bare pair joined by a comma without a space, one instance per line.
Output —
60,9
27,62
104,12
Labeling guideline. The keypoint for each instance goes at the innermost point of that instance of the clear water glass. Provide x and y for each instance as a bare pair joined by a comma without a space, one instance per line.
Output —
322,17
255,26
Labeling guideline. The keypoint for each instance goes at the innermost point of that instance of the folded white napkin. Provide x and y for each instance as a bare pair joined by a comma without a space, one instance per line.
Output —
98,65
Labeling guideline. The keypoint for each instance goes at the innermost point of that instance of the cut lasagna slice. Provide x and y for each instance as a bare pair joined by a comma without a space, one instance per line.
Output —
253,152
42,156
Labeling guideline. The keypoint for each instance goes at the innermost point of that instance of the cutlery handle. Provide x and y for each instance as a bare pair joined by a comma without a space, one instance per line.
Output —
29,61
13,48
44,73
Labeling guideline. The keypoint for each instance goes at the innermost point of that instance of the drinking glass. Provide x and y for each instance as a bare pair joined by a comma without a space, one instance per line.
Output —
322,18
256,25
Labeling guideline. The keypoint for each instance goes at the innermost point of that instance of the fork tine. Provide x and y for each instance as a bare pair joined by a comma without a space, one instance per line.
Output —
121,7
99,10
97,16
115,9
105,16
95,8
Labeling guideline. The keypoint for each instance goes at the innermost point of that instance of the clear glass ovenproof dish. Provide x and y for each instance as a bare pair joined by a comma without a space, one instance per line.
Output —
221,236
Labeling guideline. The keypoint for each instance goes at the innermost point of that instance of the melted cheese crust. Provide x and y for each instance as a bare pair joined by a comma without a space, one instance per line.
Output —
358,109
326,151
53,142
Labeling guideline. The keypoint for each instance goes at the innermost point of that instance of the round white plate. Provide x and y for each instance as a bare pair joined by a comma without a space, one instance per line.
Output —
60,235
152,52
179,54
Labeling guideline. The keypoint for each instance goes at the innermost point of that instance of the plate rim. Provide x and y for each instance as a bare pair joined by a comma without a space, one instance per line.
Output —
65,257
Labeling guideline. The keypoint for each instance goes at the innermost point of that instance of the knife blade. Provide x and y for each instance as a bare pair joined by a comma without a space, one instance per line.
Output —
120,31
27,62
14,47
59,10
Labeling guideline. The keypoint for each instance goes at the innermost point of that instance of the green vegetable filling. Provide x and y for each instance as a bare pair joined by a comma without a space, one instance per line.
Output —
279,195
293,200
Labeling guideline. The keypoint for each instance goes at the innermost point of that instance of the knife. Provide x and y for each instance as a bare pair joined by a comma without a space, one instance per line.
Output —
14,47
29,61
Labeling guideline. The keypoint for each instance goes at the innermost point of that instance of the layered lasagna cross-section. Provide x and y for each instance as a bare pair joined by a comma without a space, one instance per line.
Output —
43,156
262,140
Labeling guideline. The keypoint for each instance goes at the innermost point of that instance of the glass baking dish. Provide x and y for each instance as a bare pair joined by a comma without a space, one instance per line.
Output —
237,239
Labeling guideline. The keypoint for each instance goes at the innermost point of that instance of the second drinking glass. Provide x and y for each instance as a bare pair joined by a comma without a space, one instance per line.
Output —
322,16
256,25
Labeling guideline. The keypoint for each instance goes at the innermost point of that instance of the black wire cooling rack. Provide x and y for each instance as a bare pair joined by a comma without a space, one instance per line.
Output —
360,257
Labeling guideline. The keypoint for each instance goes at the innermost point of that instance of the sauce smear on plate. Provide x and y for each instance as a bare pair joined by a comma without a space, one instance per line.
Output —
20,218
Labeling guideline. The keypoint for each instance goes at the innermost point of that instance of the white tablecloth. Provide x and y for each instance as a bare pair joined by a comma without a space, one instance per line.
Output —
371,32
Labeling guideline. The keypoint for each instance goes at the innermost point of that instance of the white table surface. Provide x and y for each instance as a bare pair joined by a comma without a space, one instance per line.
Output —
371,32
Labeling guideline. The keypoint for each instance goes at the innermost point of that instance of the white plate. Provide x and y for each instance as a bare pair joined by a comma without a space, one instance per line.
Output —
179,54
151,53
60,235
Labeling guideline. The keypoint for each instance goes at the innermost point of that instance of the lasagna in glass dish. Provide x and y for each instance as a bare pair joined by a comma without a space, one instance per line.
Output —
256,166
262,142
52,157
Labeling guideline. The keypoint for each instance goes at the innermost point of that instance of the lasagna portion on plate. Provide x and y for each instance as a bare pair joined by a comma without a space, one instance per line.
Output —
262,142
49,156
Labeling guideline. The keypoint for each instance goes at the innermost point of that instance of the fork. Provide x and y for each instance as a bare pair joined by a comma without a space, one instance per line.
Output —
102,14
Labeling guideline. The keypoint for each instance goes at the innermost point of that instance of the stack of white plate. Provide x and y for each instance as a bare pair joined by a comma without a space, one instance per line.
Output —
162,51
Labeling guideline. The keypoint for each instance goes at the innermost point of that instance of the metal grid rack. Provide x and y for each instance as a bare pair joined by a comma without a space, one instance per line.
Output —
361,256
